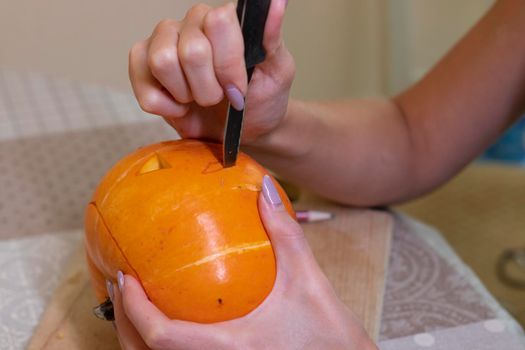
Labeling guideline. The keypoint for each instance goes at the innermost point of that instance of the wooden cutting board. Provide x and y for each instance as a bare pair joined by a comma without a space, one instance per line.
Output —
352,249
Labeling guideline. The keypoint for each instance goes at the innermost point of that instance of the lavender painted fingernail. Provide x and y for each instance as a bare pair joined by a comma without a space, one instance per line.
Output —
120,280
109,287
235,97
270,192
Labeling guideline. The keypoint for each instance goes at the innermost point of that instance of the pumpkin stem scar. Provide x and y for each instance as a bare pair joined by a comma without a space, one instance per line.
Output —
238,249
117,244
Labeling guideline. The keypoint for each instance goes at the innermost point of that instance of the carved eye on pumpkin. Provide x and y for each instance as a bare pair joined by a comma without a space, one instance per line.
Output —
154,163
192,235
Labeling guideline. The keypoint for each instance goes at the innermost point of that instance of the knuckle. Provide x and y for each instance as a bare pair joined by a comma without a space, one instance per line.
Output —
290,229
196,52
137,49
149,102
166,24
180,111
187,128
219,16
211,98
198,9
163,60
183,96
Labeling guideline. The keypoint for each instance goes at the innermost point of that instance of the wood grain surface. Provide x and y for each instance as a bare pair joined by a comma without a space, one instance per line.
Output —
352,249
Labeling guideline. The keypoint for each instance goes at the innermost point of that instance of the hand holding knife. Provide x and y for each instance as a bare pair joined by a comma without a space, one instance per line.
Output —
252,16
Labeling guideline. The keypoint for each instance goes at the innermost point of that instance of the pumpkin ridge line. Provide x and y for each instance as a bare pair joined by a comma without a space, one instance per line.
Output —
117,244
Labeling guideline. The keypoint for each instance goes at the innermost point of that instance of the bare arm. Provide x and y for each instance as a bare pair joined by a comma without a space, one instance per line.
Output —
383,151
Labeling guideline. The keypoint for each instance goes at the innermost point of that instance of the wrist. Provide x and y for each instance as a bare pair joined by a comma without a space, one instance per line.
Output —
291,138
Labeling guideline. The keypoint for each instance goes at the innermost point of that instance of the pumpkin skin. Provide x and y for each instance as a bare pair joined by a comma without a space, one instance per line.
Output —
188,229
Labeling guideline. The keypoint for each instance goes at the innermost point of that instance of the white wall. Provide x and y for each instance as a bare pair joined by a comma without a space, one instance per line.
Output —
342,47
421,31
87,40
339,46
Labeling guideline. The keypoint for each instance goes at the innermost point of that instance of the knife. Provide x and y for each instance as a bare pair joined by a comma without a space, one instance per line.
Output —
252,15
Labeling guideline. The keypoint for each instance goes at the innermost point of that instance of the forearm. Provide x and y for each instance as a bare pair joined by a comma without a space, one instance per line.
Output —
471,96
355,152
383,151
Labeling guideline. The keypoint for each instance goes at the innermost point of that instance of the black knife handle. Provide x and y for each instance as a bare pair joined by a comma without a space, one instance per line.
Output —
252,15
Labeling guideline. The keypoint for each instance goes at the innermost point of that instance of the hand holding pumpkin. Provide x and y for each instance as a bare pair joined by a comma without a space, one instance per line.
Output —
301,312
185,69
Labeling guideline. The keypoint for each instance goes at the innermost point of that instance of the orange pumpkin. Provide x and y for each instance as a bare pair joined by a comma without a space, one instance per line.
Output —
188,229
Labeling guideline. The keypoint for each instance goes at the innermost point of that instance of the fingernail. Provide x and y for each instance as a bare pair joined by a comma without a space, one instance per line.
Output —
109,287
270,192
235,97
120,280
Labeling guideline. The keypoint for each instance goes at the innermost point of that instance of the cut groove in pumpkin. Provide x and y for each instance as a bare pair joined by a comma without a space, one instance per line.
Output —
248,187
239,249
154,163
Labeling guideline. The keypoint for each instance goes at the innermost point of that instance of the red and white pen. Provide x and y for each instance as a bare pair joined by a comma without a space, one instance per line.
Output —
313,215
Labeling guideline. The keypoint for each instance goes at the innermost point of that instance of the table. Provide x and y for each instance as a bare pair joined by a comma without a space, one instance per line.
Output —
352,249
57,138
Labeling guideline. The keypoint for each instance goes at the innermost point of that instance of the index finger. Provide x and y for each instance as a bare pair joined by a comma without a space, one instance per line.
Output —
224,32
126,333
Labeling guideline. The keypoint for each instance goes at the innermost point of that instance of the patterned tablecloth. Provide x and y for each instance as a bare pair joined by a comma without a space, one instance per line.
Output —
58,137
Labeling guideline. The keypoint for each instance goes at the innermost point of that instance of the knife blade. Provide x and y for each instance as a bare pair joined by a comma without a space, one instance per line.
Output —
252,15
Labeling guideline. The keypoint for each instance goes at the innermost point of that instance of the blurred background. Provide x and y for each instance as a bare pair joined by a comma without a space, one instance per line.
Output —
343,49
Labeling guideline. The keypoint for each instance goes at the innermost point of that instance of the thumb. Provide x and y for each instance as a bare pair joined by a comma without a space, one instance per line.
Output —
288,241
273,30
